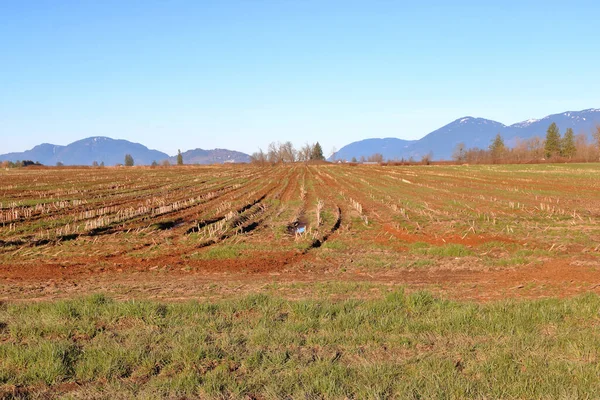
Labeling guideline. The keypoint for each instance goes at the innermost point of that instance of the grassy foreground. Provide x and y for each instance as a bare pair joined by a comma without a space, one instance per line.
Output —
260,346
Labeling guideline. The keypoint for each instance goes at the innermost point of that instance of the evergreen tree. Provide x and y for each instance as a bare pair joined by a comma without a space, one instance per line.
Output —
129,160
568,148
179,158
552,146
497,148
317,152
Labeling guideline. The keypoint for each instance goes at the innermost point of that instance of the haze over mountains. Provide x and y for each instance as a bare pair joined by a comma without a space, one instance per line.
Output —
474,132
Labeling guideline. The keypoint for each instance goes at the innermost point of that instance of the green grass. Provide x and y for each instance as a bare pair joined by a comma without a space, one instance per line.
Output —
335,244
223,251
449,250
375,260
399,346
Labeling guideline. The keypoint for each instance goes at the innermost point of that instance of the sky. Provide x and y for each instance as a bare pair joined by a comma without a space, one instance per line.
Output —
241,74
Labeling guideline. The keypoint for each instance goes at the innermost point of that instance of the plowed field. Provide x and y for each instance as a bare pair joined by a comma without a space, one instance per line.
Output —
480,232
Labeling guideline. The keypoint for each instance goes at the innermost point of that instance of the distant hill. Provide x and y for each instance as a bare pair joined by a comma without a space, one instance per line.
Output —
216,156
86,151
474,132
43,153
112,152
388,147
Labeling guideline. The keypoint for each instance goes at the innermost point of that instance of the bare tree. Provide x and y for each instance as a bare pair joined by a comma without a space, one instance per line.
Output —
427,158
258,157
519,152
305,152
273,153
585,151
476,155
287,153
377,157
535,146
460,152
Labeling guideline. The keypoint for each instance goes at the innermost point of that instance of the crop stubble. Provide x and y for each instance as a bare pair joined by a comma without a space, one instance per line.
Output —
479,232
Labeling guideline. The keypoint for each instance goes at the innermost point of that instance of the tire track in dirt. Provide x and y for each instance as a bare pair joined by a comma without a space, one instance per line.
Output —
244,219
183,250
320,241
324,191
252,224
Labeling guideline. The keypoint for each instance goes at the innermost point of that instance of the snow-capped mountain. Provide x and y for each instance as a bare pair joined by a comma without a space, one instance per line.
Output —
474,132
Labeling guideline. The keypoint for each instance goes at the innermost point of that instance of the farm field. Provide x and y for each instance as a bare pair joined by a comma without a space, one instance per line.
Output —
300,281
467,232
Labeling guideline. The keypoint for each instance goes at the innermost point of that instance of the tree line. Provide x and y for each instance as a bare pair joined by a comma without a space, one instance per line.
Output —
19,163
130,162
286,153
554,147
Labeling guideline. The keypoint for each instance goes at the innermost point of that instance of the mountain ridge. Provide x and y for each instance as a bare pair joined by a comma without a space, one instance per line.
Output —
440,143
103,149
473,132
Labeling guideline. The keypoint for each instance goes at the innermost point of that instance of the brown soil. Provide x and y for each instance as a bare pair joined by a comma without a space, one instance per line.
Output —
169,278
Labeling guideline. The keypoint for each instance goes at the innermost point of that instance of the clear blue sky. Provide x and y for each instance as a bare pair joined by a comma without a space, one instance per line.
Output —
240,74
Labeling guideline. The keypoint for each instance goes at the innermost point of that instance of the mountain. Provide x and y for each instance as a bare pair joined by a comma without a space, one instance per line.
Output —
387,147
44,151
86,151
107,150
474,132
112,152
216,156
580,121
